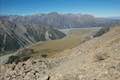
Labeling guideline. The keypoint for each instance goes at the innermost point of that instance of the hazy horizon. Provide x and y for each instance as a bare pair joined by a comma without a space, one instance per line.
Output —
101,8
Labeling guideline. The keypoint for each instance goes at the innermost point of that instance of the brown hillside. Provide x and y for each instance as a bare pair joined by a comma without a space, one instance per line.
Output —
96,59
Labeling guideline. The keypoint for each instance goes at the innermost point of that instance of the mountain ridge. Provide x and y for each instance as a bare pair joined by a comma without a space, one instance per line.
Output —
58,20
14,36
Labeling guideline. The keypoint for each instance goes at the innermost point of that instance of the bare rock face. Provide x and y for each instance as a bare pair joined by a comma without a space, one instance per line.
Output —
29,70
18,35
32,69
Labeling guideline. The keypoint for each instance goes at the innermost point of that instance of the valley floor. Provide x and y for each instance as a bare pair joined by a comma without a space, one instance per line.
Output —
52,48
75,37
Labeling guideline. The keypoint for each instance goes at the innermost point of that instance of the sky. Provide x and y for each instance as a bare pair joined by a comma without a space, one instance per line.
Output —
99,8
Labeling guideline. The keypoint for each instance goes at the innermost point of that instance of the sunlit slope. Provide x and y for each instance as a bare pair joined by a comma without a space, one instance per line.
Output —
96,59
74,37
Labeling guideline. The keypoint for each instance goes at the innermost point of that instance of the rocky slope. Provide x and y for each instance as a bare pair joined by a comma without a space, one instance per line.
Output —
18,35
96,59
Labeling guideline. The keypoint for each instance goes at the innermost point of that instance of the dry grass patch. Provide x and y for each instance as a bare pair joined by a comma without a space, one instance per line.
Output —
74,38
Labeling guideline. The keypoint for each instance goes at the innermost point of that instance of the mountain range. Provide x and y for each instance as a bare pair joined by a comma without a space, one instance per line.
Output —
14,36
58,20
20,31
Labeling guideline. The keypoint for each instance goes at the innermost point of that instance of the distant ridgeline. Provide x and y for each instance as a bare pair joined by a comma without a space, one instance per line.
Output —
57,20
19,31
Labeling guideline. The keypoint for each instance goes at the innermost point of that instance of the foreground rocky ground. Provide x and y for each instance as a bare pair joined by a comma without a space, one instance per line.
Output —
96,59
